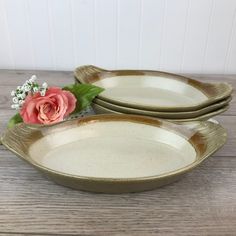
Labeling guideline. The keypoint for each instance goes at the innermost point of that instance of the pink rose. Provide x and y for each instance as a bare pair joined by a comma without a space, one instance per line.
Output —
48,109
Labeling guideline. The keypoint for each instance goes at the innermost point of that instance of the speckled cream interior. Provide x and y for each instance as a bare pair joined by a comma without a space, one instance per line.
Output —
114,149
151,90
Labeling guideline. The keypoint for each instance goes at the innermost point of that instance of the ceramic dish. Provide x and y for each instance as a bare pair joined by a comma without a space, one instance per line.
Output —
166,115
152,90
103,110
115,153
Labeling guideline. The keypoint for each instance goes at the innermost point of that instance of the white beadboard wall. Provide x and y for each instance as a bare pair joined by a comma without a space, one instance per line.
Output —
181,36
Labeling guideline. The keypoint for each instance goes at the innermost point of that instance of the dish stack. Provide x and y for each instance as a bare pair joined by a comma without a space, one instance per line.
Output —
155,94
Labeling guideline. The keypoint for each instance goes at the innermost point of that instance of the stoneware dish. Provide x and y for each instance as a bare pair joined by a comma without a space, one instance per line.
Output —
115,153
98,109
152,90
162,114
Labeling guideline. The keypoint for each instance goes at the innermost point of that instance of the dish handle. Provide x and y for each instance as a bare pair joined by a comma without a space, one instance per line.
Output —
18,139
219,90
82,73
211,133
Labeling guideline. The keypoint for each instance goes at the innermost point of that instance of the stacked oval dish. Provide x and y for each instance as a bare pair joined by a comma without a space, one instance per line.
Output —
155,94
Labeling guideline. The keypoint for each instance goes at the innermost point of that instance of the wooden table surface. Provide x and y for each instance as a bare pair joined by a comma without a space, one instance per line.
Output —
201,203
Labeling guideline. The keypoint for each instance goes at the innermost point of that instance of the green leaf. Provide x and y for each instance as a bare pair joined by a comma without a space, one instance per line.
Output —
14,120
84,94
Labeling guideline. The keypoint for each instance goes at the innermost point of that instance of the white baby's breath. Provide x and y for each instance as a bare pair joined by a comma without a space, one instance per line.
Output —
44,85
15,100
21,102
33,78
18,95
21,96
29,87
43,92
15,106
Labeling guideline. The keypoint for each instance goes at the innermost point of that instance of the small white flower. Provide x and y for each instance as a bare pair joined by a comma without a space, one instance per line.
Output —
13,93
27,88
15,106
19,87
33,78
18,95
44,85
21,102
43,92
21,96
15,100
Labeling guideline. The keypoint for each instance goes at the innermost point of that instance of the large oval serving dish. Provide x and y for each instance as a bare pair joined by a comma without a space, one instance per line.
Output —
152,90
115,153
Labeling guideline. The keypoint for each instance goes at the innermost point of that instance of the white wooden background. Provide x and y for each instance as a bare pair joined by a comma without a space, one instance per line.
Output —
173,35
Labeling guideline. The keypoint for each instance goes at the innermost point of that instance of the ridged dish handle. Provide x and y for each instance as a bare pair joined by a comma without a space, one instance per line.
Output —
211,133
219,90
17,139
82,73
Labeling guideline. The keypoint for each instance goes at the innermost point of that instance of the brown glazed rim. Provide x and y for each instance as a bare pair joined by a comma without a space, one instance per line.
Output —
205,137
89,74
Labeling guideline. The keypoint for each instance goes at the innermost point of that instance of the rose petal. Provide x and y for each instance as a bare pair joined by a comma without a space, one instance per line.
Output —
71,102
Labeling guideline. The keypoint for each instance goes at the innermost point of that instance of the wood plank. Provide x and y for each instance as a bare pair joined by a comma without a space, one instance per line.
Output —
17,77
25,234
